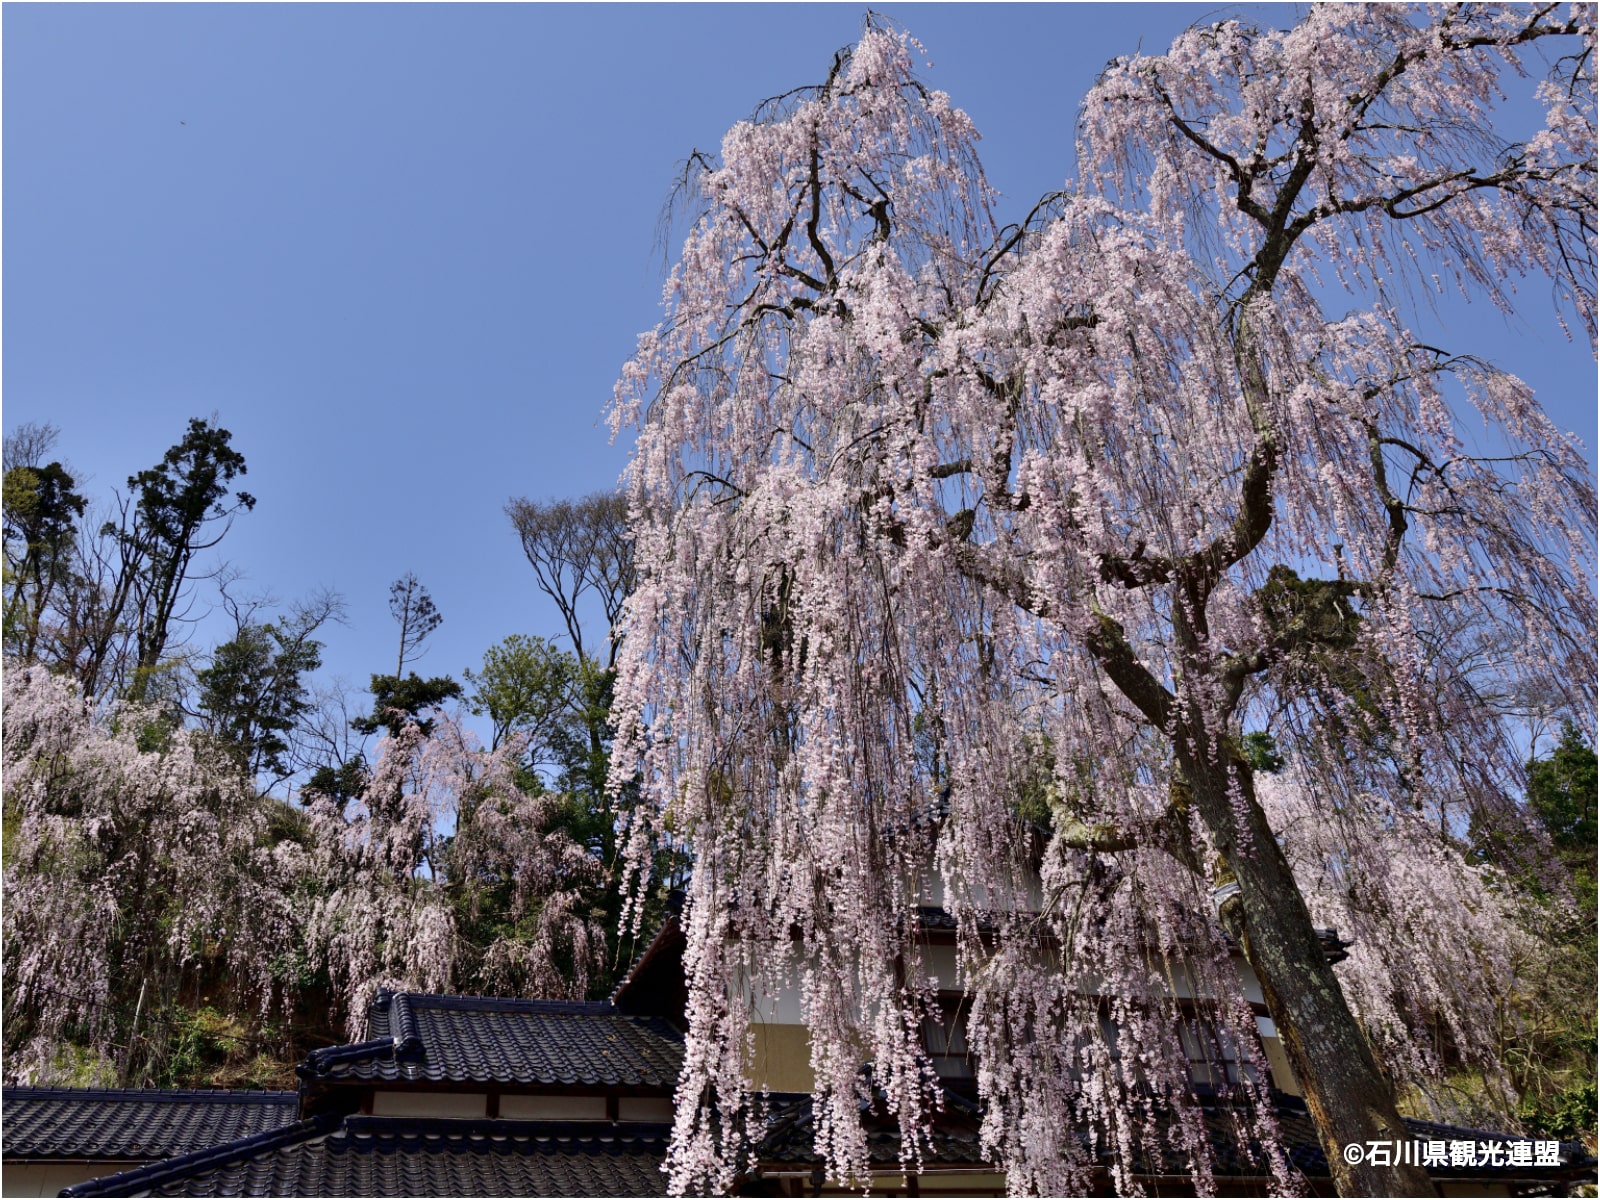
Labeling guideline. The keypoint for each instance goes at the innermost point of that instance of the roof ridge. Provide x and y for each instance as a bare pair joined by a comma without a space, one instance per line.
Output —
403,1026
159,1095
180,1164
414,1000
321,1059
643,1131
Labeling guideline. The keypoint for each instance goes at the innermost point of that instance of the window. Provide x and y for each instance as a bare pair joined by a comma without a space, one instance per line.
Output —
945,1038
1214,1055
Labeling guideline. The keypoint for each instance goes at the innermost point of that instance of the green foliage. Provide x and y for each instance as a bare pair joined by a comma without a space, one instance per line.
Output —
41,506
198,1046
189,487
210,1046
1567,1114
526,686
1308,612
1318,649
174,503
398,702
285,823
1261,752
1561,793
562,702
254,692
583,745
340,783
1555,1054
80,1066
154,735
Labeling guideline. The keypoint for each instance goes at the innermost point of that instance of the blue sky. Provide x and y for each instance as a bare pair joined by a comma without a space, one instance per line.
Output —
402,250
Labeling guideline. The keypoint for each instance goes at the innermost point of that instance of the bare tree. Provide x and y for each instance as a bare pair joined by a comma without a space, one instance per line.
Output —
91,637
27,445
579,548
413,610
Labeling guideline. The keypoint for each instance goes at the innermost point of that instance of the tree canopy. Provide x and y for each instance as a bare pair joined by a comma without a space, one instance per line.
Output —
932,515
168,920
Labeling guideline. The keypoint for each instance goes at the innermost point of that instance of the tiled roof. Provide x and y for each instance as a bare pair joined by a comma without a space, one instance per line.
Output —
391,1156
332,1155
98,1123
532,1043
791,1134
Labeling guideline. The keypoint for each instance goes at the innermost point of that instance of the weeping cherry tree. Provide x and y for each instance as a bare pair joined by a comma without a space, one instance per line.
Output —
439,833
133,872
933,517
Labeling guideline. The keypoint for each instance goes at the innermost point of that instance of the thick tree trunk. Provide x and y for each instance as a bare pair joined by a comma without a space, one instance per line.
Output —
1349,1098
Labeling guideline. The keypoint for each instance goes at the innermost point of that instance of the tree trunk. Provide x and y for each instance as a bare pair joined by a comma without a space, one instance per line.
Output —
1348,1096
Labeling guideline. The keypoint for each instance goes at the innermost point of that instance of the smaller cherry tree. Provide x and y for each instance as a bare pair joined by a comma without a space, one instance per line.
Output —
373,919
440,840
137,857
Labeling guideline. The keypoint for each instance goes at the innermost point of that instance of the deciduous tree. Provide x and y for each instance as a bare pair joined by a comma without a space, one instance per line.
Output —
581,554
444,875
914,497
129,873
580,551
525,686
253,693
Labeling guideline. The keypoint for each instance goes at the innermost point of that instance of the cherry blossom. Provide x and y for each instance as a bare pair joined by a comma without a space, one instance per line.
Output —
950,532
125,865
440,823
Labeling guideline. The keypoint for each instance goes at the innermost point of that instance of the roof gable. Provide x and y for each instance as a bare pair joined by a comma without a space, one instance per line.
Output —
505,1043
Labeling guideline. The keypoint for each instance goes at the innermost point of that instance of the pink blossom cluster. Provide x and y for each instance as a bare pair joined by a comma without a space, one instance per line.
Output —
441,822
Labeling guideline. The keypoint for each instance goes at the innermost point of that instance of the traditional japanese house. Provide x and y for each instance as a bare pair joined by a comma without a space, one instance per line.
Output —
470,1096
55,1137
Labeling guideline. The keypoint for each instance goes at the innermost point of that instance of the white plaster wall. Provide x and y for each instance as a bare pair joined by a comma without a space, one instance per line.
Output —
553,1108
47,1179
430,1104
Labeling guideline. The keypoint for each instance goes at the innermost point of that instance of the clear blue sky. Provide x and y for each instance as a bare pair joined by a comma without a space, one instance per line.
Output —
402,250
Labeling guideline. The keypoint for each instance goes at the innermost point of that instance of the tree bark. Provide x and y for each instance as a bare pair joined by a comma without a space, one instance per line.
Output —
1348,1096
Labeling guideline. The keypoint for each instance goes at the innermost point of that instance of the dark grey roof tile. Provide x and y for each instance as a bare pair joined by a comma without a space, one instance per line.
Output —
390,1156
473,1039
130,1123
